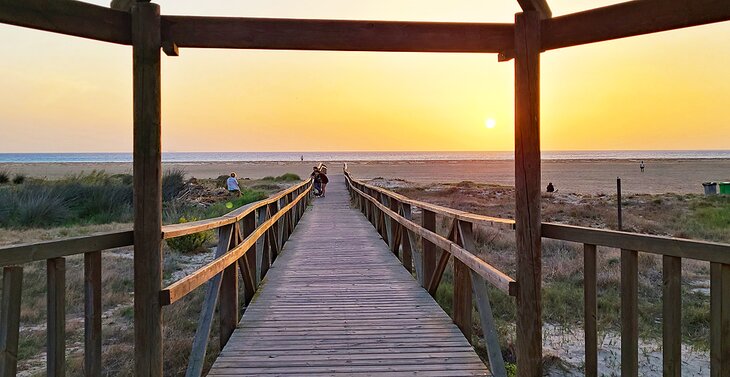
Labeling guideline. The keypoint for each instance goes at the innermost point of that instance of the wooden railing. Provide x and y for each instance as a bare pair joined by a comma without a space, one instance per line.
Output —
249,239
390,213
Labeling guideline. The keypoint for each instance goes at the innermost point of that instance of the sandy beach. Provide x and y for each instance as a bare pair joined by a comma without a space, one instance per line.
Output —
579,176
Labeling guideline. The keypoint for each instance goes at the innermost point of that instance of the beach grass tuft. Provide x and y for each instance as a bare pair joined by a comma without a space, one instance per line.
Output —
4,176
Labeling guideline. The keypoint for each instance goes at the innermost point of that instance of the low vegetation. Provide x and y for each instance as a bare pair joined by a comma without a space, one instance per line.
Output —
688,216
87,203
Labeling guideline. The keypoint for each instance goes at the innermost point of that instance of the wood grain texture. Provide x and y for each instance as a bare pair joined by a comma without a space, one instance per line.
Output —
10,320
429,253
590,289
719,319
147,169
228,308
527,193
92,314
338,301
56,304
672,316
69,17
335,35
677,247
38,251
629,313
636,18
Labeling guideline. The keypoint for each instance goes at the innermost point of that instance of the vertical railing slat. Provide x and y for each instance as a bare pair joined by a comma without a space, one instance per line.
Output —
462,280
10,320
672,315
228,296
428,257
590,310
629,313
92,314
205,323
719,319
56,304
249,260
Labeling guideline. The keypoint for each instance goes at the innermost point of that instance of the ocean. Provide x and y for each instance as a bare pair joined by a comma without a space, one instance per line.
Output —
360,156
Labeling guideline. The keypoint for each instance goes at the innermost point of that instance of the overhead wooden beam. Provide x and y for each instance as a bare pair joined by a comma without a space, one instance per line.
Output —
541,6
69,17
629,19
335,35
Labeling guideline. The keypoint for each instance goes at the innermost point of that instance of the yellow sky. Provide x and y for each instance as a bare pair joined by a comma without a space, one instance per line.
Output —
664,91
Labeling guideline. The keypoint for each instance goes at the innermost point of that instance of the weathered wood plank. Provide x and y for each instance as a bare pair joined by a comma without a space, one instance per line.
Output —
56,304
228,298
527,193
92,313
719,319
147,169
428,249
10,320
637,17
69,17
337,300
672,316
335,35
590,310
26,253
629,313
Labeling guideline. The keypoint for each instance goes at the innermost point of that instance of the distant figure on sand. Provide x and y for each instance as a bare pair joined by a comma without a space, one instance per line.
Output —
233,186
550,187
301,158
641,166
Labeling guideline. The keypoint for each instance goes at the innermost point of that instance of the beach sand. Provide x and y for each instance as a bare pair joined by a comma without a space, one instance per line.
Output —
579,176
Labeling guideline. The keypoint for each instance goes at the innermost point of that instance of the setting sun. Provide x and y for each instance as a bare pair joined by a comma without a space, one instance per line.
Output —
490,123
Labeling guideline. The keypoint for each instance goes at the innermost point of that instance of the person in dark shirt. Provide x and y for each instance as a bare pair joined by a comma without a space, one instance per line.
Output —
324,180
550,187
315,176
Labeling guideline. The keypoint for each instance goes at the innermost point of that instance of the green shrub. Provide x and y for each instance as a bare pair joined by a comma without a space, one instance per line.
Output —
125,179
19,179
268,178
173,181
41,206
287,177
4,176
190,243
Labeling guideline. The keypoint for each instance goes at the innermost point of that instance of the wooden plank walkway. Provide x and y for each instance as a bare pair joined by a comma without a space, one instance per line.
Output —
336,301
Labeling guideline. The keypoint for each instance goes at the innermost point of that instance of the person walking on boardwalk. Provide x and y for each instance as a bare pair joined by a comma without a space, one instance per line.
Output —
233,186
317,189
323,179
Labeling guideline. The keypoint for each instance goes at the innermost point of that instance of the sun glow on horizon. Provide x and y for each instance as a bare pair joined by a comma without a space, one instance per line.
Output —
490,123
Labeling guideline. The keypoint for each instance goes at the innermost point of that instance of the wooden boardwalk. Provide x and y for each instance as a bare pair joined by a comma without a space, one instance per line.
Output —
336,301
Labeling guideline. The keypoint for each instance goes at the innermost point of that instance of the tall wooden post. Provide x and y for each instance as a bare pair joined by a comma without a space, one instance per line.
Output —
147,190
527,193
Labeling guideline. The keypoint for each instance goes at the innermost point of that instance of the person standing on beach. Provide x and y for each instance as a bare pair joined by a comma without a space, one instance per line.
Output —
233,187
641,166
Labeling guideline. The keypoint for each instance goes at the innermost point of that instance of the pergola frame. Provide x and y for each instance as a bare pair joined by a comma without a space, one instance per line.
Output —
533,32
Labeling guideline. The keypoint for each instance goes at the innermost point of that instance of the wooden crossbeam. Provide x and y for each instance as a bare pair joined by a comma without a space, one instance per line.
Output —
69,17
335,35
630,19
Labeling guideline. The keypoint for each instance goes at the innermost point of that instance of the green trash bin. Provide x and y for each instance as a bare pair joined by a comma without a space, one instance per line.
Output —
724,187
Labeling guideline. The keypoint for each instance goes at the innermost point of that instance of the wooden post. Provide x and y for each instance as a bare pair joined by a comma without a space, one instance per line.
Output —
228,300
56,299
147,190
428,259
619,215
10,320
406,236
263,252
527,193
591,307
92,314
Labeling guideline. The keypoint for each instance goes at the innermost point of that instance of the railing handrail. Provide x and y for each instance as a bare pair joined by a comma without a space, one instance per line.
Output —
441,210
187,284
177,230
662,245
38,251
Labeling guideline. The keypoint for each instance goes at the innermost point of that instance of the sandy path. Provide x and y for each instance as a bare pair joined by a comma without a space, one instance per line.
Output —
582,176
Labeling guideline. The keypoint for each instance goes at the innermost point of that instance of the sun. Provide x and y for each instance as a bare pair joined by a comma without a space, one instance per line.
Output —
490,123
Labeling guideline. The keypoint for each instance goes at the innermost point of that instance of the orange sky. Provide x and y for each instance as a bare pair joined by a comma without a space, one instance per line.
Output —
664,91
